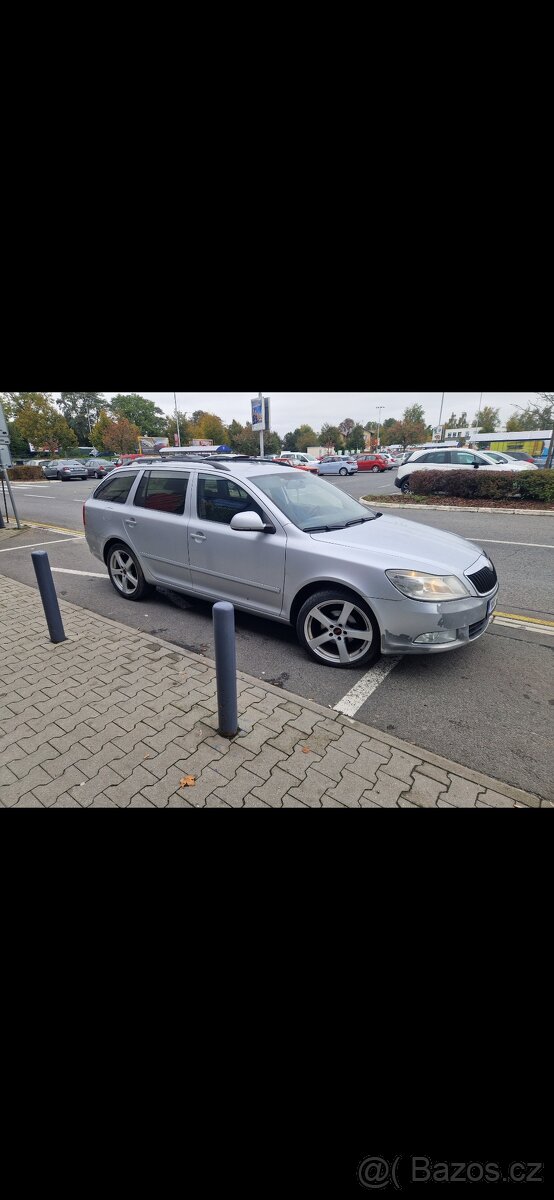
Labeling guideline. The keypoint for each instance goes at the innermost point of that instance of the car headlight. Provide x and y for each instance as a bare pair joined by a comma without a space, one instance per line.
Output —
418,585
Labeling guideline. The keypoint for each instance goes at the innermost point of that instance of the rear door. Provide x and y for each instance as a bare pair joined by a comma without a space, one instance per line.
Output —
247,568
156,525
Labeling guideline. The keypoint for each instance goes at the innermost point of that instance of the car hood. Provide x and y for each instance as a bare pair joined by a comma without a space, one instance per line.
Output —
406,544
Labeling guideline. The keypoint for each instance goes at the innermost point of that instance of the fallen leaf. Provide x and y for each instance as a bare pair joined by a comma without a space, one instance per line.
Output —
187,781
306,750
147,756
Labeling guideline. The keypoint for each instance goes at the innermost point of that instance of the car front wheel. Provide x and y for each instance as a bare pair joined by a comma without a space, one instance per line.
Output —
125,573
338,629
405,485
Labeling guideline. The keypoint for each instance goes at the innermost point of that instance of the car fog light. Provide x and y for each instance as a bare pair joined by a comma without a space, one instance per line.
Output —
446,635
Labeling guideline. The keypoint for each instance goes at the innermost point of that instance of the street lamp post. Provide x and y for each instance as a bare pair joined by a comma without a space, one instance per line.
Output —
380,409
177,420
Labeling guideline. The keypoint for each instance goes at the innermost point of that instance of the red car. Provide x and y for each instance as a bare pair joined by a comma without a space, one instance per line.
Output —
372,462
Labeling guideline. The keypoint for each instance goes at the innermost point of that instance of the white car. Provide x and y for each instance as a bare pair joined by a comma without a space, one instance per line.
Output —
338,466
450,460
515,464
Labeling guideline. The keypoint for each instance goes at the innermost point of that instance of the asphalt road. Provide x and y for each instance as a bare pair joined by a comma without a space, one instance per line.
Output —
490,706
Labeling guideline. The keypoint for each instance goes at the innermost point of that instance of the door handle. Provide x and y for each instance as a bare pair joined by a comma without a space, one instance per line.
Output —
198,537
130,520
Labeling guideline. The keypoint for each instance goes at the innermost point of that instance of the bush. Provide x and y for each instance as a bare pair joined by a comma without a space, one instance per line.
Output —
472,484
537,485
24,474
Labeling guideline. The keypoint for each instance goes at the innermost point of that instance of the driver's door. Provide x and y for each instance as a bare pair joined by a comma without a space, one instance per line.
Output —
227,564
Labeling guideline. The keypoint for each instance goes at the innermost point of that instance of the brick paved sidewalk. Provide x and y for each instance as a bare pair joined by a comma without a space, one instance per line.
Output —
113,718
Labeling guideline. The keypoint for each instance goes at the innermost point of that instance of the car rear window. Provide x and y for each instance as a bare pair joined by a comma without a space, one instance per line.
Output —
163,492
115,489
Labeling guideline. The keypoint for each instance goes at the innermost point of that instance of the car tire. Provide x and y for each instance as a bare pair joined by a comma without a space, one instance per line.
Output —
343,471
375,470
405,485
126,574
339,650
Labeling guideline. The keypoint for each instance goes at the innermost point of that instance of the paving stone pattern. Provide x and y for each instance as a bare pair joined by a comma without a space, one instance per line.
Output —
112,718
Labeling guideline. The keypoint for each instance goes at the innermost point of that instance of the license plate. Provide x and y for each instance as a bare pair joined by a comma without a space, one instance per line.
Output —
491,605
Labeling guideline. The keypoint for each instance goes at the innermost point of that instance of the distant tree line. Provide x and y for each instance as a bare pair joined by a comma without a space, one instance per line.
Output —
87,418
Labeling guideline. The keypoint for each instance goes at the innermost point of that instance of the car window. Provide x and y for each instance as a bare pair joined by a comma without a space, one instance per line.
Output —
464,458
309,502
435,456
115,489
219,499
163,492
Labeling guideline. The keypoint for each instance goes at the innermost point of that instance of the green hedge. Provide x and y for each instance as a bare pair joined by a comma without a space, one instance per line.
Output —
23,474
485,485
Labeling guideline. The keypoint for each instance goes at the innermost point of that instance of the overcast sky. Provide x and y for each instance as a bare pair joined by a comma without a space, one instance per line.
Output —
291,409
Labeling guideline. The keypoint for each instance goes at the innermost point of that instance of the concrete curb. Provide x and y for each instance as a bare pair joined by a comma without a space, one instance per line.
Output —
510,512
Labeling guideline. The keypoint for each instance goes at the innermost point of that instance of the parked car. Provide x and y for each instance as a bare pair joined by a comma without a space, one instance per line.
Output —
495,456
519,455
65,468
392,459
448,460
373,462
128,460
98,467
281,544
298,460
338,466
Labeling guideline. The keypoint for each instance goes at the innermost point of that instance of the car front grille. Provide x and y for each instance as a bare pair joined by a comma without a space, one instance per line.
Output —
477,627
484,580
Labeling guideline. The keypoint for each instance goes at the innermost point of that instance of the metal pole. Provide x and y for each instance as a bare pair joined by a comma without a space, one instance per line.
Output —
478,413
177,419
380,408
5,476
440,414
260,397
225,668
48,596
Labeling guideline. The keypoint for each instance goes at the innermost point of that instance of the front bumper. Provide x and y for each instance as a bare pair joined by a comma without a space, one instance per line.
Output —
402,621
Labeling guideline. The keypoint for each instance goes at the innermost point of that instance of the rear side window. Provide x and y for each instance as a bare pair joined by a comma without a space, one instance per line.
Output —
219,499
440,456
116,488
163,492
464,458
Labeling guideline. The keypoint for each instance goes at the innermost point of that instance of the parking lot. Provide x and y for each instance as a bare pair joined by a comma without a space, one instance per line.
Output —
490,706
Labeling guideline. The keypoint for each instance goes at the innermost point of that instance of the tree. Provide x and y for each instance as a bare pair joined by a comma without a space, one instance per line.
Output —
305,437
414,415
289,441
19,444
99,430
356,438
143,413
515,424
386,424
209,427
394,435
40,423
463,420
331,437
233,433
534,416
346,427
122,437
488,419
452,422
185,426
81,411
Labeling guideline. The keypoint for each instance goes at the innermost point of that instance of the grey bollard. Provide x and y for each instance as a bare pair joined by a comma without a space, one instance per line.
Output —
225,668
48,595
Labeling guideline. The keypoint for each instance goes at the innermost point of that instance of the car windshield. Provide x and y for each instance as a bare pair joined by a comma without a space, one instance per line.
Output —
311,504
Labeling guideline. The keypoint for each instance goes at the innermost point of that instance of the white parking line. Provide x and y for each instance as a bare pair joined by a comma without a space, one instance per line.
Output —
500,542
357,695
534,628
34,545
94,574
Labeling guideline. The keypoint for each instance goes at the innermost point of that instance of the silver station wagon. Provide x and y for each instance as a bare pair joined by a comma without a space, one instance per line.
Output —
280,543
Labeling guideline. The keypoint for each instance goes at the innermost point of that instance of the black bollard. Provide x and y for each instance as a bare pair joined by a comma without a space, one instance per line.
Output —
48,595
225,668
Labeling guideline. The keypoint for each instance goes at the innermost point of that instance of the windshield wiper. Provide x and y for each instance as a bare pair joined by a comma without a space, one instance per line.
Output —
360,520
322,528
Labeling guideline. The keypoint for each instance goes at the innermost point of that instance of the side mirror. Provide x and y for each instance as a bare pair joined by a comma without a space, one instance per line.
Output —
477,464
249,522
